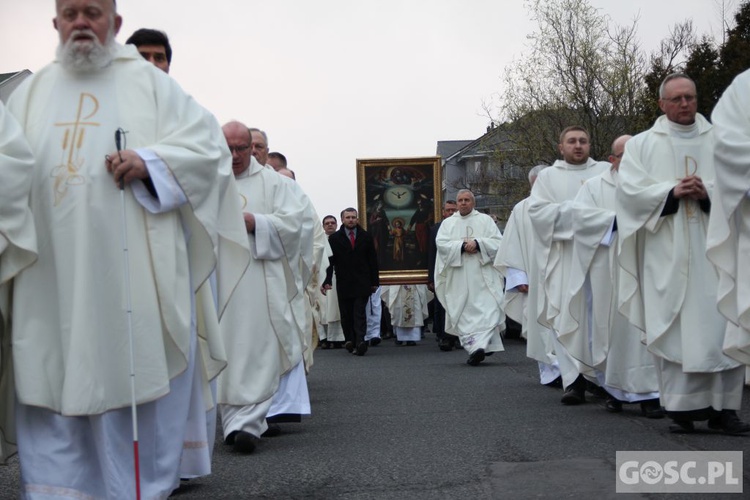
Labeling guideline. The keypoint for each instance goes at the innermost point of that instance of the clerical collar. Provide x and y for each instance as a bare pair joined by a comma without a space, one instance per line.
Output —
683,131
245,173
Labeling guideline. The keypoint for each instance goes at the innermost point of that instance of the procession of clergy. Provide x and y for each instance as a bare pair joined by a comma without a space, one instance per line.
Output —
129,247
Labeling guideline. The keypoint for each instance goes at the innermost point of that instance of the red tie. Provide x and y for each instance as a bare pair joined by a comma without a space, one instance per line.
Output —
351,237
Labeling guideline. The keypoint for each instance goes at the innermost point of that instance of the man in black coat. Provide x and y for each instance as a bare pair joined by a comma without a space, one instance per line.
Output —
356,265
446,342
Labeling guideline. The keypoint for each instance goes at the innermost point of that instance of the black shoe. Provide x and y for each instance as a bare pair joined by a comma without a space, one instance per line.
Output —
272,431
557,383
399,342
613,405
349,345
573,396
244,442
490,353
652,409
445,345
324,345
682,427
476,357
729,423
374,341
361,348
230,438
596,391
411,343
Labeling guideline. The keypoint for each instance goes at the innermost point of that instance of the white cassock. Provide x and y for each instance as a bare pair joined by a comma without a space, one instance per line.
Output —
589,325
729,224
259,328
330,317
292,396
667,286
315,305
551,214
516,262
17,250
373,313
408,307
468,285
69,308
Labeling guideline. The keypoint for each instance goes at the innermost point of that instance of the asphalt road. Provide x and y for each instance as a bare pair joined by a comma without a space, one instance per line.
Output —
417,423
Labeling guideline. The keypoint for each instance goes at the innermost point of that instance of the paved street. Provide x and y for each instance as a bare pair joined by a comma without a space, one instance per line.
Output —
417,423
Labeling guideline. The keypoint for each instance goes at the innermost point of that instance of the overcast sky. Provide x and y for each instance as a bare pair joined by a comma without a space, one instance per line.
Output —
331,81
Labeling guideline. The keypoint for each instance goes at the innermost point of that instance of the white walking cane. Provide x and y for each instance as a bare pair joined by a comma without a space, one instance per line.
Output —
119,136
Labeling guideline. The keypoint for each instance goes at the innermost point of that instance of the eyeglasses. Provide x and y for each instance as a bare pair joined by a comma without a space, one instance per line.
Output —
238,149
678,99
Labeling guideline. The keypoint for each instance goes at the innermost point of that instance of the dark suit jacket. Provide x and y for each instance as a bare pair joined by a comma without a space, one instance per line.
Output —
356,268
432,252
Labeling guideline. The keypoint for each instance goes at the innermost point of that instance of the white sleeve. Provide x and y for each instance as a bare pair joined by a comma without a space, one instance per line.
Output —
514,278
267,243
170,194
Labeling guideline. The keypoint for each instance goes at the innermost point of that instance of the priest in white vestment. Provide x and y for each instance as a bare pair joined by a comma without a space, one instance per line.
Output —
590,326
467,283
331,333
408,307
69,308
551,214
17,251
729,224
292,399
260,331
667,286
516,262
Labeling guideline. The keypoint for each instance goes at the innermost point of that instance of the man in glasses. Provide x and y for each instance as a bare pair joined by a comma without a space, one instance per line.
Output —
69,319
263,338
667,286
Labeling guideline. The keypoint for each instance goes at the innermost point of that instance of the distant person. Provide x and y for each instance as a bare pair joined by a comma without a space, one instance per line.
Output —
277,161
466,282
259,148
356,267
446,342
331,335
154,46
516,260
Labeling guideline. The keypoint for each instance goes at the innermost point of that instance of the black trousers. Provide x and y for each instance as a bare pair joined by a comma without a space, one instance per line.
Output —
438,319
354,318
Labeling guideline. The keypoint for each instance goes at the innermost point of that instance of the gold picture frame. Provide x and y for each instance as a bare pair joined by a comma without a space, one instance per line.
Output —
399,199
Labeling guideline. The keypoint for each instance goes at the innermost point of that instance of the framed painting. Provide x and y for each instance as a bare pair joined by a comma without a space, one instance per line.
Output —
399,201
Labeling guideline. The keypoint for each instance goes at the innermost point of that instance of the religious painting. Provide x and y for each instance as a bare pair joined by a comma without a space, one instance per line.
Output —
399,202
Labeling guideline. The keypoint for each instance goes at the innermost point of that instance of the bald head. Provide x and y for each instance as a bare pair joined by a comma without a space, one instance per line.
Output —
618,149
238,140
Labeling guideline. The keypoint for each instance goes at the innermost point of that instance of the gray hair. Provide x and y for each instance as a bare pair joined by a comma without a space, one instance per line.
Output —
669,78
460,191
253,129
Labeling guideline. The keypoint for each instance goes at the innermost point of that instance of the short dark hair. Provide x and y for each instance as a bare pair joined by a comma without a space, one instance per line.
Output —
349,209
452,202
329,217
573,128
146,36
279,157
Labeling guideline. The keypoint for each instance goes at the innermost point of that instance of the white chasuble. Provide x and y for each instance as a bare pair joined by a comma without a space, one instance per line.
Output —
70,328
517,262
468,285
259,327
612,345
729,224
667,286
17,251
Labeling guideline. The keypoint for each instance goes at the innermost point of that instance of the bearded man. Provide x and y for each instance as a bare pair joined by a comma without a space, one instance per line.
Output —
69,309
